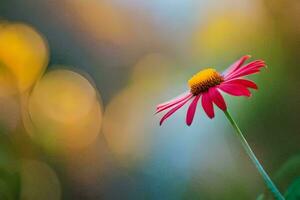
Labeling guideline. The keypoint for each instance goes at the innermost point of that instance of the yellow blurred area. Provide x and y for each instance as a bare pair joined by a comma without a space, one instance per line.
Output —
102,19
65,111
23,57
8,83
124,125
10,107
39,181
129,115
152,65
237,31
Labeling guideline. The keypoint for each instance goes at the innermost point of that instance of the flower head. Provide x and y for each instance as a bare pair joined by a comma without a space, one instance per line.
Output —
208,84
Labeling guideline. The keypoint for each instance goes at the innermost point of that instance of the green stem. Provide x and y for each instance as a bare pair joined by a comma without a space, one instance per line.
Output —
252,156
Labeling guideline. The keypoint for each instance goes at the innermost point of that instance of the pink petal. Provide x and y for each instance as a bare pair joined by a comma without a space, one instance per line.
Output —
235,89
217,98
244,73
244,82
207,105
250,68
170,112
171,103
174,99
191,111
236,65
245,67
253,65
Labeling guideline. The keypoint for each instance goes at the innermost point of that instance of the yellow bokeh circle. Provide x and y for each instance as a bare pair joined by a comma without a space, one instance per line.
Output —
23,56
65,111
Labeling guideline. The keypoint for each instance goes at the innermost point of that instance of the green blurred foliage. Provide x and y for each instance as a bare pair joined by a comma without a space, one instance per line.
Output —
9,171
293,192
288,179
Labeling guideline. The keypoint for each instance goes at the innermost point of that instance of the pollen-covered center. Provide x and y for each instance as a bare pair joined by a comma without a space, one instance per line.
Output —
204,80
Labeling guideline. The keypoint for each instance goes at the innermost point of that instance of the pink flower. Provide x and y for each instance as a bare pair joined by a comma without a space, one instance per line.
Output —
207,85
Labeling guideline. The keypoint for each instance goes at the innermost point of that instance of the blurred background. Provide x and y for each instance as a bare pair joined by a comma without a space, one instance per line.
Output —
80,79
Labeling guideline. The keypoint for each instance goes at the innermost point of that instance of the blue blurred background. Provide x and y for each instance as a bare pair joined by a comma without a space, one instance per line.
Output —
80,79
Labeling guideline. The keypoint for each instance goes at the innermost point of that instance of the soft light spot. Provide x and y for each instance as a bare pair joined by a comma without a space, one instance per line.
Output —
39,181
23,57
65,111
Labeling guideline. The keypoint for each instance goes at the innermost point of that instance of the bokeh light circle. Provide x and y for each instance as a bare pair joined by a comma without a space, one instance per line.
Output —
23,56
129,117
39,181
65,111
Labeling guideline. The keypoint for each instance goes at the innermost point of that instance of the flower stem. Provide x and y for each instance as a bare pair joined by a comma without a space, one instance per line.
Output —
253,158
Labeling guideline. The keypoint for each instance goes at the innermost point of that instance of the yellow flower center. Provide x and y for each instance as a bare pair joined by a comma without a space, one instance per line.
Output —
204,80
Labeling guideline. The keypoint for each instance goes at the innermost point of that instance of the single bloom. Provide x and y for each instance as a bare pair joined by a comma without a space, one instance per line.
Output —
207,86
